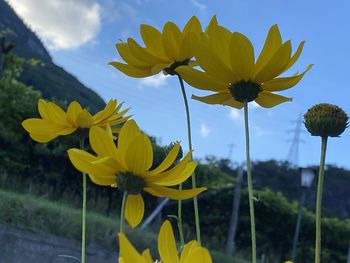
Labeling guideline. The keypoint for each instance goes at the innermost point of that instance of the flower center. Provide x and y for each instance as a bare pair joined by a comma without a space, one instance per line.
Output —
171,70
131,183
245,91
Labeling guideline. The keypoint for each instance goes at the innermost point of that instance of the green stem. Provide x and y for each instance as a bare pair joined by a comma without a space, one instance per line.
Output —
195,200
122,212
83,222
250,184
319,200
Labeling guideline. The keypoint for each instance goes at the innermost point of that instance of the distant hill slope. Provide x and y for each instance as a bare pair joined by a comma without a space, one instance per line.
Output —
51,80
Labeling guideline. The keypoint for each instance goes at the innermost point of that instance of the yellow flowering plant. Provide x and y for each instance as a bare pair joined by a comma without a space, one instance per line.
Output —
127,166
191,253
230,70
56,122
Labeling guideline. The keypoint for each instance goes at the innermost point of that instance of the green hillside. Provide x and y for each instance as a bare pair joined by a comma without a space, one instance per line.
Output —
50,79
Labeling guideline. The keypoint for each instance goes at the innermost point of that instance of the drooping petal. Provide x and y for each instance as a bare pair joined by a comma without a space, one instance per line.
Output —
268,100
73,111
284,83
139,155
153,40
275,65
200,79
166,244
131,71
142,53
272,44
129,58
169,160
175,194
172,39
127,251
134,210
101,141
242,56
217,98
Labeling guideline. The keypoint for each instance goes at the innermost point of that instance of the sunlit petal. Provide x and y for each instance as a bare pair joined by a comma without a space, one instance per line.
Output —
134,210
269,100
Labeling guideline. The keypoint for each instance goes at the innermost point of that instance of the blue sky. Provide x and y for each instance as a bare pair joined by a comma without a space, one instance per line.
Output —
81,36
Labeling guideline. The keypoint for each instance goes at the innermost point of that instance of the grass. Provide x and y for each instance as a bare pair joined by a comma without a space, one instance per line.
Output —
46,217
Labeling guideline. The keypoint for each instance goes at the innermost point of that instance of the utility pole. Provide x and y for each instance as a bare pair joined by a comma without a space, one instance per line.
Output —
293,153
230,243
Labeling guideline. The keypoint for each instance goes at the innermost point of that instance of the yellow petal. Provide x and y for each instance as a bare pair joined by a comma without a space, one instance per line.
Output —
127,134
272,44
103,181
139,155
242,56
172,193
187,46
296,55
220,42
200,79
101,141
172,38
169,160
134,210
84,119
217,98
198,255
56,113
129,58
166,244
132,71
153,40
276,65
106,113
73,111
127,251
213,65
187,251
192,26
212,25
269,100
147,256
142,53
43,138
284,83
43,109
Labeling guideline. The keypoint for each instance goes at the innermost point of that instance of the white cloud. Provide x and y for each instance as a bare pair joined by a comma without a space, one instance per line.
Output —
61,24
200,6
155,81
235,114
204,131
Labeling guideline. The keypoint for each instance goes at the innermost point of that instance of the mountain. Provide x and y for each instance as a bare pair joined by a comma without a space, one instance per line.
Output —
50,79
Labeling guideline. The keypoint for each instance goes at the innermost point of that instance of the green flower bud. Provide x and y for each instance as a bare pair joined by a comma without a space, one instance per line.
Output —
326,120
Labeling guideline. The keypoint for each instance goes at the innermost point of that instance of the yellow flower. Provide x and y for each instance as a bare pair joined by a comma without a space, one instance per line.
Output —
128,164
55,122
231,71
191,253
162,51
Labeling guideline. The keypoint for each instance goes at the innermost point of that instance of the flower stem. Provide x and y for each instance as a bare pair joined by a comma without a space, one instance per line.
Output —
122,212
319,200
250,184
195,200
83,222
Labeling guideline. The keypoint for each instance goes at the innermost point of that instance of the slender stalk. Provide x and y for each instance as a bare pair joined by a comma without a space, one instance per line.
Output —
83,222
319,200
122,212
195,200
250,184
